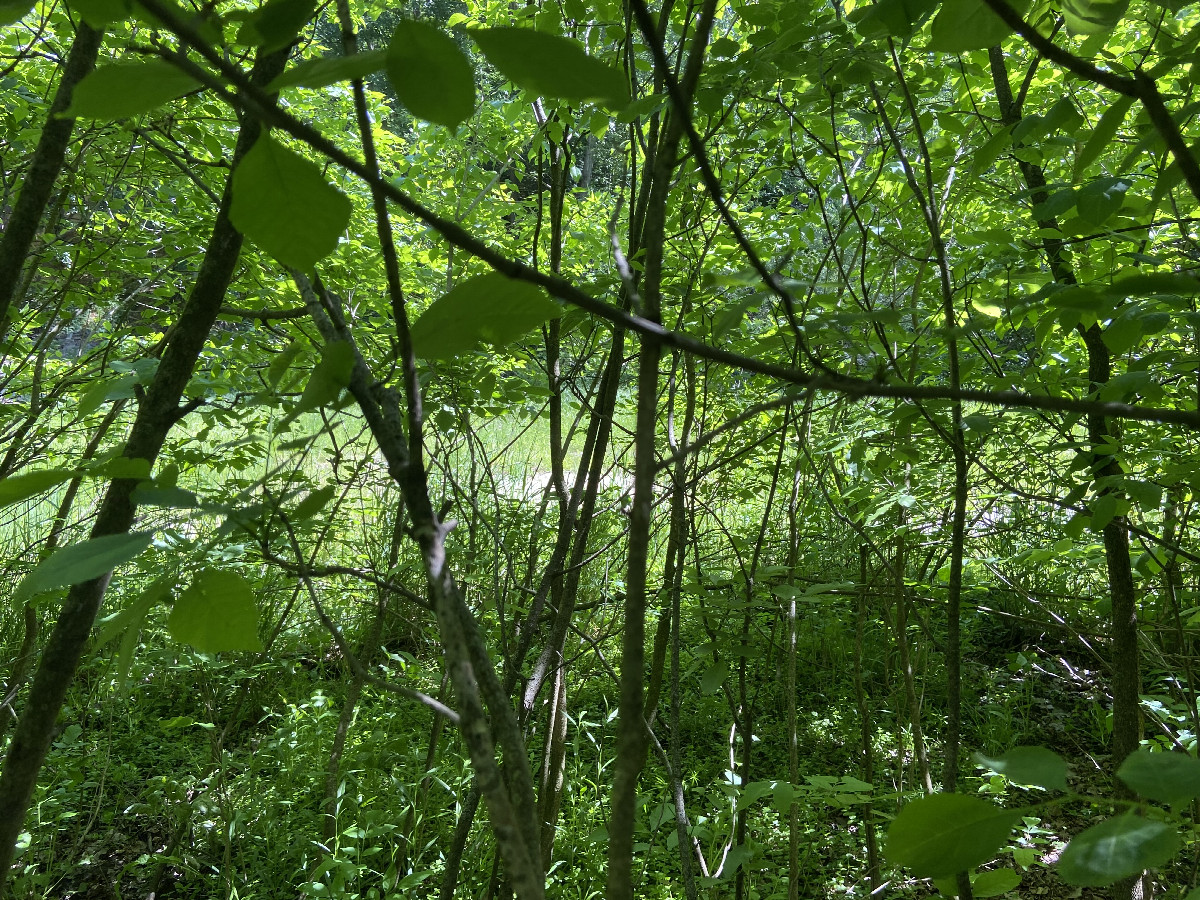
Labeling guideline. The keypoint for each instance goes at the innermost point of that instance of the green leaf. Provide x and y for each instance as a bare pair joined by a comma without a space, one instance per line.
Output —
1102,134
119,388
13,11
986,155
319,73
713,678
1171,778
783,795
81,562
995,882
102,13
947,833
1146,284
753,792
1099,201
149,494
432,77
1117,848
126,89
282,361
963,25
1104,508
135,469
1029,765
314,502
128,623
216,613
329,376
16,488
492,308
895,18
550,66
1093,16
276,24
1025,856
283,203
133,613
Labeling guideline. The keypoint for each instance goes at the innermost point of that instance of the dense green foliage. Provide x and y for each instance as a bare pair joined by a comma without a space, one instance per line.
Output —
721,449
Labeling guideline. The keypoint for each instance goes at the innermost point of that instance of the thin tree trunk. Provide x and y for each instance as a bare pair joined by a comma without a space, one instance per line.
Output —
158,412
867,744
553,763
1102,436
38,182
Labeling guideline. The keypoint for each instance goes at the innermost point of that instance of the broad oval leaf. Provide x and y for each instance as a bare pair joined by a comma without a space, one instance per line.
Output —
81,562
963,25
119,388
128,89
550,66
16,488
1146,284
432,77
101,13
994,883
1093,16
943,834
1098,201
492,308
314,502
276,24
897,18
318,73
1030,765
216,613
1117,848
13,10
1171,778
283,203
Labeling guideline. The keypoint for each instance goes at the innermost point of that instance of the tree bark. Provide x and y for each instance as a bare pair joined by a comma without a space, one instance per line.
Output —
158,412
43,172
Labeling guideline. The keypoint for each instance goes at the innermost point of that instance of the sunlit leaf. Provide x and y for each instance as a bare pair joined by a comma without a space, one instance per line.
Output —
329,376
283,203
963,25
550,66
81,562
318,73
125,89
216,613
1117,848
276,24
432,77
16,488
995,882
490,308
